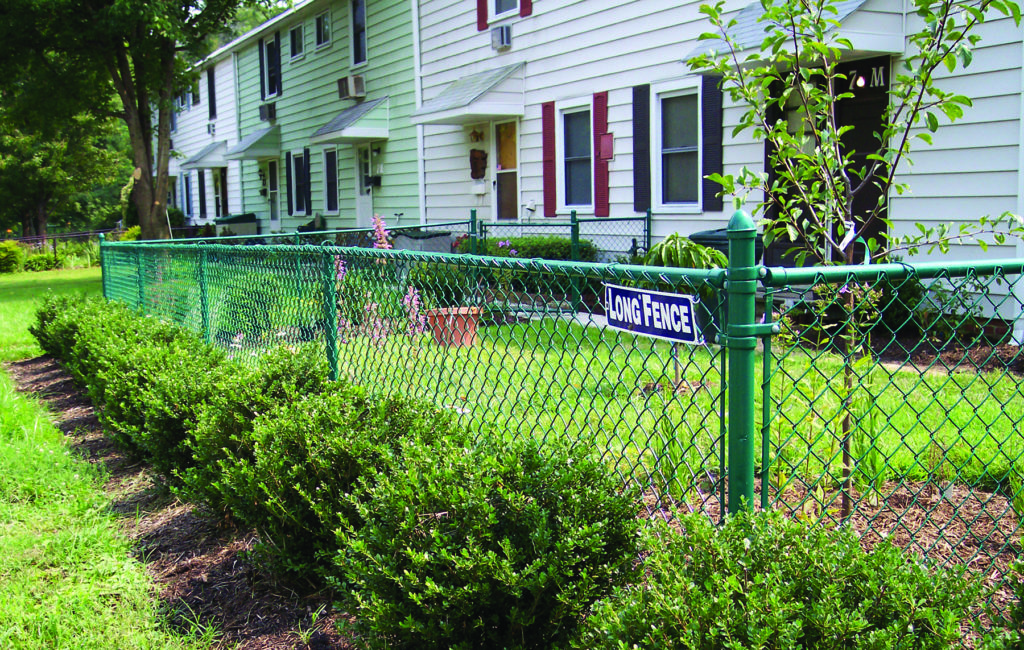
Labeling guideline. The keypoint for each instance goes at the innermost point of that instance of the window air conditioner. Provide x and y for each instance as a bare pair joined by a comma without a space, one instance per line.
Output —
268,112
351,87
501,38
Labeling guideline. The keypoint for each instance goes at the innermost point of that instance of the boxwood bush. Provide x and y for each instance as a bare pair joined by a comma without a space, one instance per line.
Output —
308,456
12,257
499,546
221,440
549,247
764,581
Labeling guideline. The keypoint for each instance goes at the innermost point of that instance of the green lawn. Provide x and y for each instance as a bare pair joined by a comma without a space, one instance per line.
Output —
67,578
19,294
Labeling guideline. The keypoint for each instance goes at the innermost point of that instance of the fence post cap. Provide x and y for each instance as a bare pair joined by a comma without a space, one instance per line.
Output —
740,222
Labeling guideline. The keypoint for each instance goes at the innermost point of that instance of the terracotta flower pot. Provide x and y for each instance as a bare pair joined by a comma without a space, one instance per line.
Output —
454,326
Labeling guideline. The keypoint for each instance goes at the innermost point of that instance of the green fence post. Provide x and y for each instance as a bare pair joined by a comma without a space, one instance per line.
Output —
740,329
204,298
472,232
574,253
103,266
138,277
330,314
647,231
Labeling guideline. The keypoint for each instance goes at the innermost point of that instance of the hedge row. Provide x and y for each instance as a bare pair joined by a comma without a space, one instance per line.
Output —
433,540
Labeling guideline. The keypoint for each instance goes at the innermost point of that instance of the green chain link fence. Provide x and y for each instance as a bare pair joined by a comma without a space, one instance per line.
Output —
613,239
883,397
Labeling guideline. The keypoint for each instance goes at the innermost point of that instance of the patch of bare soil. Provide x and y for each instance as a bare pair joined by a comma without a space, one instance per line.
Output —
199,565
920,355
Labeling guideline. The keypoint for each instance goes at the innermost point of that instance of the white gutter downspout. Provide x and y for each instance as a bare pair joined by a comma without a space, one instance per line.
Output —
238,130
1018,287
421,174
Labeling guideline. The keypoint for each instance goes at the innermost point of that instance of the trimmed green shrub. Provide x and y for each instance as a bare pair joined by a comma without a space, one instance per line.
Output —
501,546
12,257
1008,627
765,581
131,234
222,437
440,285
43,262
549,247
309,455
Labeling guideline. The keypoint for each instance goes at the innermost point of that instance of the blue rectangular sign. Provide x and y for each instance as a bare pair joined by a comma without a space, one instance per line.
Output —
661,315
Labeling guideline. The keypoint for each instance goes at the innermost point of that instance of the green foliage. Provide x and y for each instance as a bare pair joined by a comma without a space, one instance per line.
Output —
548,247
12,257
309,455
44,261
222,443
680,252
1008,631
765,581
501,546
131,234
440,285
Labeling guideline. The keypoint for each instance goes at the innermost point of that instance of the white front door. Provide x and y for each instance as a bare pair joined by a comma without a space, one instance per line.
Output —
364,190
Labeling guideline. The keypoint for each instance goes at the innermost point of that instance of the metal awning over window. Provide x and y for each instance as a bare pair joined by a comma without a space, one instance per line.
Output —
360,123
265,143
870,31
482,97
211,156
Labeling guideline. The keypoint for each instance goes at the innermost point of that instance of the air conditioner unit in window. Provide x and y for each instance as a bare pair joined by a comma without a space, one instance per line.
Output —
211,128
268,112
351,87
501,38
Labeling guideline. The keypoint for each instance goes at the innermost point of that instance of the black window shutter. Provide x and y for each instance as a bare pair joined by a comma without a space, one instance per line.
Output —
288,179
711,142
224,190
277,62
307,185
263,71
642,148
211,96
201,180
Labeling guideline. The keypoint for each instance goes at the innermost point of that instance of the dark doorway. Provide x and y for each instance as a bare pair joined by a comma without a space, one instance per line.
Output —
868,80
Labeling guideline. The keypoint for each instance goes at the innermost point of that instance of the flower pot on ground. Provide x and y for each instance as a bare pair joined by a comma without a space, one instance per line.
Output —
454,326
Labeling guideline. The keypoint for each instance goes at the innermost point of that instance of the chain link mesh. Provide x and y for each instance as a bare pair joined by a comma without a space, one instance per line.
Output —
893,405
616,239
518,348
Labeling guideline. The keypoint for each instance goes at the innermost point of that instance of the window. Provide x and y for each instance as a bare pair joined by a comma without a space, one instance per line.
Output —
270,66
299,183
174,120
679,155
186,193
211,97
296,38
272,192
330,180
578,169
323,29
505,6
194,96
358,32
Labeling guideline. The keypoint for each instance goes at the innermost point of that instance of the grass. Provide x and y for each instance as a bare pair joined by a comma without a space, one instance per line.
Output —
67,577
19,294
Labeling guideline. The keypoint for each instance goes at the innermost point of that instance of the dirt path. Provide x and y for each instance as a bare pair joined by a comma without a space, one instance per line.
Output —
198,564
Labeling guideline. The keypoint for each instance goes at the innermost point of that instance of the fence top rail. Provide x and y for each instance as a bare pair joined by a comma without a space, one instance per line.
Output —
782,277
605,271
293,234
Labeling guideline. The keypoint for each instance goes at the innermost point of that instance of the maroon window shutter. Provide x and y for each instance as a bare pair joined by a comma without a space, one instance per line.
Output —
601,200
481,15
525,7
547,115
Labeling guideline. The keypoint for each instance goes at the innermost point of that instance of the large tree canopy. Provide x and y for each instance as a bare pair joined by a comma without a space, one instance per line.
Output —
138,48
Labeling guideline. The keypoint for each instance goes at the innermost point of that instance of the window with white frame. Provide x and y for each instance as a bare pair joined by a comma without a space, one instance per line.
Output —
677,143
323,29
576,146
271,65
358,13
299,183
501,7
186,193
272,192
297,41
331,181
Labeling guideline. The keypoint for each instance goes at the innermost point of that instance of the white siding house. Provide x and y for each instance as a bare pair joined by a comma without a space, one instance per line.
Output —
204,185
513,124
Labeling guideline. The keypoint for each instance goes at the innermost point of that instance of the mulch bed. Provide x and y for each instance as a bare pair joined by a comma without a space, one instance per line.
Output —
979,357
199,564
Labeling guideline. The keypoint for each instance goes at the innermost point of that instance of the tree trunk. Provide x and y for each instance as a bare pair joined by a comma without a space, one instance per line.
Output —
41,216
